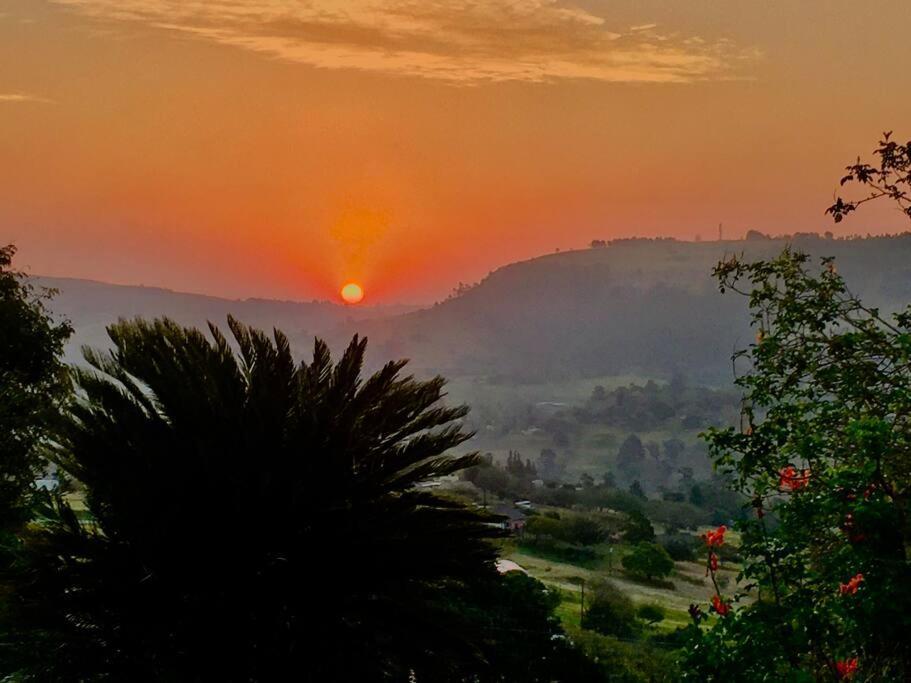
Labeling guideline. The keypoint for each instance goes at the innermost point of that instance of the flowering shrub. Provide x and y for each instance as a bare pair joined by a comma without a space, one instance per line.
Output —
823,455
715,539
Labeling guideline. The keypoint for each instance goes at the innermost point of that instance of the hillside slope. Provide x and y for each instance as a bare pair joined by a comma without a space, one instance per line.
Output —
637,307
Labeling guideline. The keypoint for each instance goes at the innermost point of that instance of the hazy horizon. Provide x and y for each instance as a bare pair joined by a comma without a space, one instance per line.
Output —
444,294
334,299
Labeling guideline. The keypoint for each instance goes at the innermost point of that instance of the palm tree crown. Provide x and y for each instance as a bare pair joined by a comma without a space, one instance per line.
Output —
252,517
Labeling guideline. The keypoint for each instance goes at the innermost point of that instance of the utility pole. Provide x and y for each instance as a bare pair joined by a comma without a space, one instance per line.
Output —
582,607
720,232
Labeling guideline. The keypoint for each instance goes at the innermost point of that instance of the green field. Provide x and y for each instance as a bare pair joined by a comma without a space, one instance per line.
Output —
482,390
690,585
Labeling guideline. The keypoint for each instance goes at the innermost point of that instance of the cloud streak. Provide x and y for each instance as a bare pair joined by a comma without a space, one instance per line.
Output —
23,97
458,41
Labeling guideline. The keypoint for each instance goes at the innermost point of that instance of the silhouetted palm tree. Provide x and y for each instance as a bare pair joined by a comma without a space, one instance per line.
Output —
252,519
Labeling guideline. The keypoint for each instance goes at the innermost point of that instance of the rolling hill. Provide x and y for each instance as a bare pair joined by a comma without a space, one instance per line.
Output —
639,307
635,307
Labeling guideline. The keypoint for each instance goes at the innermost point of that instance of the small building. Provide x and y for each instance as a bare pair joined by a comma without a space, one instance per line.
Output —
514,518
506,566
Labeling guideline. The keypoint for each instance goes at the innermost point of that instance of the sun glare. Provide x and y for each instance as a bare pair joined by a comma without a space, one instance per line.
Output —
352,293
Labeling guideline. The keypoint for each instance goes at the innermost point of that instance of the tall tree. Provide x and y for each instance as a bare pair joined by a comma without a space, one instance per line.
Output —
824,445
32,382
823,452
649,560
630,456
252,517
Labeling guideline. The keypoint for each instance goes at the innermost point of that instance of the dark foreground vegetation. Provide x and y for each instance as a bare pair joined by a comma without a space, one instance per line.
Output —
222,512
250,516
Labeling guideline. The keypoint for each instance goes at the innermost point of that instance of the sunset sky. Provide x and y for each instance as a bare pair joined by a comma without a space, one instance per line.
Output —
282,148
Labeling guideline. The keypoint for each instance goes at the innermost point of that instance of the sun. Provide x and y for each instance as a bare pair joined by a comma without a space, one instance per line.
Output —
352,293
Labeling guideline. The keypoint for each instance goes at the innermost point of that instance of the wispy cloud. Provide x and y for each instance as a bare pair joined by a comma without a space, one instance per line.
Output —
460,41
23,97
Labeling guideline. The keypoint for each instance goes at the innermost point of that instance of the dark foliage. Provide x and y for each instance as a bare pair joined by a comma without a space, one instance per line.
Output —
638,528
681,547
823,454
676,515
253,517
32,382
623,660
514,619
648,560
610,612
890,178
568,538
650,614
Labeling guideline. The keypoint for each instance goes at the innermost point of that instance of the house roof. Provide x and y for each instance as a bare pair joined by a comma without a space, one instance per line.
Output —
509,511
504,566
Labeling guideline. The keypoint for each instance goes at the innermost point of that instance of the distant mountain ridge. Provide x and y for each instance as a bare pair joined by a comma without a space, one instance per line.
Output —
643,307
91,306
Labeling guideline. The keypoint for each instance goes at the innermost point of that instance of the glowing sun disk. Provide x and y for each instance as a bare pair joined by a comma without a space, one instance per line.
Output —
352,293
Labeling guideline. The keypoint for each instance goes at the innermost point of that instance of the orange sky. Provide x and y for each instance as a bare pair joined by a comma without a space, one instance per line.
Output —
281,148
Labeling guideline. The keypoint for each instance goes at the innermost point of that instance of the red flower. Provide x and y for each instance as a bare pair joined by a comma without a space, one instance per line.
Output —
851,587
720,606
846,668
713,562
792,479
715,538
